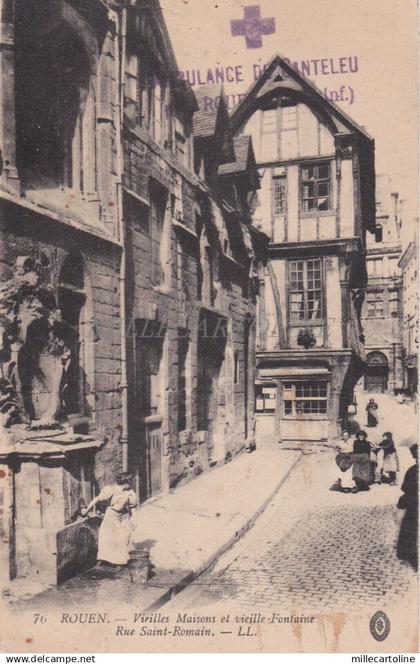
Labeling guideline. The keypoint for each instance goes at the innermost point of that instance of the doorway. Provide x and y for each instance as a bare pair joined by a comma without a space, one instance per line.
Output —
211,406
377,374
148,415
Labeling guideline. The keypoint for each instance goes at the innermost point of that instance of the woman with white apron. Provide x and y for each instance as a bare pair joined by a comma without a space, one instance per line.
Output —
344,461
114,539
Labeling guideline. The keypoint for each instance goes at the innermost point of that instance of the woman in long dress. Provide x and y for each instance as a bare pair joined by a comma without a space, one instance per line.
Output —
372,416
344,460
388,455
407,546
362,466
114,537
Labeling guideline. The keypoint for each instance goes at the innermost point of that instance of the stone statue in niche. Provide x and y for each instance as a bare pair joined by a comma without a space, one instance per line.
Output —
34,349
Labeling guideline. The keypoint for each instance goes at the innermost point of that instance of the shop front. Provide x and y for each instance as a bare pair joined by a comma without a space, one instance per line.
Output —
307,400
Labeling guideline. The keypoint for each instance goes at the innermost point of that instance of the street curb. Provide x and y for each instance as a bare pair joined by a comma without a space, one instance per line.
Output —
194,574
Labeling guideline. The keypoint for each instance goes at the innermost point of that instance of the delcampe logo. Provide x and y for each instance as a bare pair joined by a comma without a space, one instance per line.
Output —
253,27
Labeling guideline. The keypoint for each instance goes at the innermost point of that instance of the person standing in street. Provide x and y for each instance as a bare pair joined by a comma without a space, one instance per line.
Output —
344,461
389,465
372,416
362,466
407,545
114,539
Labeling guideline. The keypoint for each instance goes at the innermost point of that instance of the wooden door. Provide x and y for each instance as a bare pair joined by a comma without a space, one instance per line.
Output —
376,380
154,457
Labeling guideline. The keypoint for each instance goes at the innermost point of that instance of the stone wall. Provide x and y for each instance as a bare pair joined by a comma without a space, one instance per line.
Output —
39,238
174,310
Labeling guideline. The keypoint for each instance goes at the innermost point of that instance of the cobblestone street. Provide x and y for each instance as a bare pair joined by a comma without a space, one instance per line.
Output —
314,549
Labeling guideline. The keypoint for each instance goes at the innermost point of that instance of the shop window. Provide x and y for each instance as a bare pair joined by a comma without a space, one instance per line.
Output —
315,187
302,398
279,195
265,398
305,290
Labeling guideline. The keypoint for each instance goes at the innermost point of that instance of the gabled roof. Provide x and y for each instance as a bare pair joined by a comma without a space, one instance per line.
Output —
281,79
244,156
205,119
157,36
211,121
280,75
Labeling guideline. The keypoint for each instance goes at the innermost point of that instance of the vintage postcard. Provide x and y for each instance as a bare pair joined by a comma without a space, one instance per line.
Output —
209,326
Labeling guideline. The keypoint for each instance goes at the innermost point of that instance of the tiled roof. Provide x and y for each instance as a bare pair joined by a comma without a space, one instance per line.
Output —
241,145
204,120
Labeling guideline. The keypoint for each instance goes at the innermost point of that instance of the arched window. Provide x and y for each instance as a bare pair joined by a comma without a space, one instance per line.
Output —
55,104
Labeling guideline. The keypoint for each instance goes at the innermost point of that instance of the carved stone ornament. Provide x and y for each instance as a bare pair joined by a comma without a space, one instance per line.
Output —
34,351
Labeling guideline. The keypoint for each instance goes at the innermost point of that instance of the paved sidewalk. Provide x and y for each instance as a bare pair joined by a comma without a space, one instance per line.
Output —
185,532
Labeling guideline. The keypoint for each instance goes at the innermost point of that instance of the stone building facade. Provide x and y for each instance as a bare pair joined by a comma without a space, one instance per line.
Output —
317,203
192,256
382,307
410,315
60,265
127,270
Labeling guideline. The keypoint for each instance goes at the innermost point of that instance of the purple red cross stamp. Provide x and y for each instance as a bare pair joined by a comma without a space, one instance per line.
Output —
253,27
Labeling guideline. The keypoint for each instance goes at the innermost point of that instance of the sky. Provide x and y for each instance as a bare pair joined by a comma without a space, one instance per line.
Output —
380,37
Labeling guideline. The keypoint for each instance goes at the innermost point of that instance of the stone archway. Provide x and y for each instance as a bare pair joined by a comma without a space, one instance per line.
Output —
377,373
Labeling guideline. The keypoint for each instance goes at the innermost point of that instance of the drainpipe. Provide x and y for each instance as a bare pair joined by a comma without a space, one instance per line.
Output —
120,21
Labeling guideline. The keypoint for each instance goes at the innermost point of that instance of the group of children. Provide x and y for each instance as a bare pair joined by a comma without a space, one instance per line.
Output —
362,463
